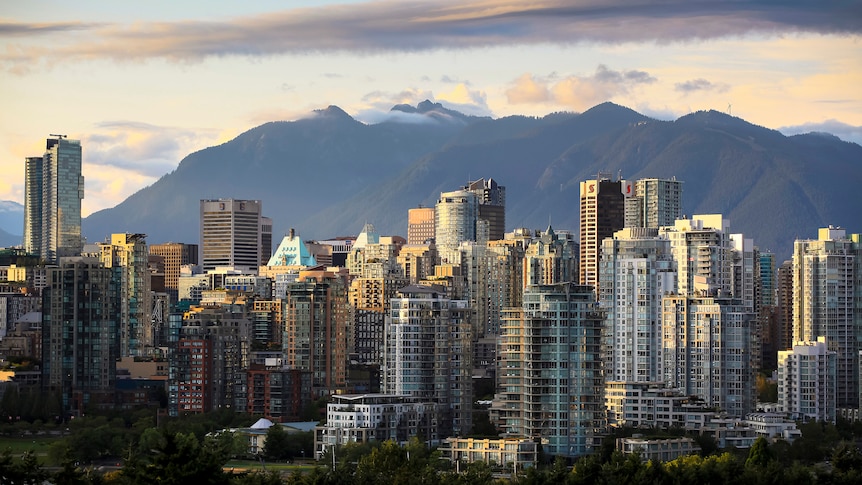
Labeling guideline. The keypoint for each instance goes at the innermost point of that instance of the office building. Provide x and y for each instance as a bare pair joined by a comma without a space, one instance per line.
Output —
807,377
420,225
550,382
233,234
827,302
428,354
603,212
492,206
126,255
637,270
53,190
175,256
81,334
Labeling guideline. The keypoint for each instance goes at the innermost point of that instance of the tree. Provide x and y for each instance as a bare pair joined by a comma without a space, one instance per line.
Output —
759,455
277,444
24,470
180,459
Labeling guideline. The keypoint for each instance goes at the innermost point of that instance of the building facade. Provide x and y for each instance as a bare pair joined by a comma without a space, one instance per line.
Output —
492,206
707,351
81,334
176,255
363,418
317,325
420,225
53,190
603,212
428,354
126,255
637,270
655,203
807,378
550,376
455,217
827,302
232,234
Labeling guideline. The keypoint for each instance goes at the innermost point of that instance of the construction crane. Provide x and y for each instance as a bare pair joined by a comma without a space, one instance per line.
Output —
59,137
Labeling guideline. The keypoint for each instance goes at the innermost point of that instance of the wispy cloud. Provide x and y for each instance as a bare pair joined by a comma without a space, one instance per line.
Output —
843,131
700,84
577,92
142,148
122,156
424,25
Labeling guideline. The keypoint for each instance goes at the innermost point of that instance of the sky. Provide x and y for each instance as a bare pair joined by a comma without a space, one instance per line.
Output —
143,84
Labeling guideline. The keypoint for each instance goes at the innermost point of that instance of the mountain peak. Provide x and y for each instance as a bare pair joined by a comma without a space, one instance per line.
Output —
333,111
434,111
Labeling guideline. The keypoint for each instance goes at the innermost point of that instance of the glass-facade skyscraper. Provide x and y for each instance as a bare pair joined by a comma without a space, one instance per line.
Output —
53,190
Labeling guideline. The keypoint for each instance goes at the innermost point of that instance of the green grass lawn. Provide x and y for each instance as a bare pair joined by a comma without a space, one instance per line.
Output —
19,446
252,465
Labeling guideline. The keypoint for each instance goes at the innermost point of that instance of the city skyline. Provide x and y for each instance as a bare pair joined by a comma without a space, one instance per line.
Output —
143,89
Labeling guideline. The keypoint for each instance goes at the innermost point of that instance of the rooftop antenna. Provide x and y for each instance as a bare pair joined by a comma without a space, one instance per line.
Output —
728,110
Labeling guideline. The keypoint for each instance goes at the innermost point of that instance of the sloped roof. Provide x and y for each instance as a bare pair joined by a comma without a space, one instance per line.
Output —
292,252
262,423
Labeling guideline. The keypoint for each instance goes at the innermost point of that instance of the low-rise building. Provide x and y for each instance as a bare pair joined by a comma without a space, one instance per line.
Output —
515,453
659,450
361,418
773,426
652,405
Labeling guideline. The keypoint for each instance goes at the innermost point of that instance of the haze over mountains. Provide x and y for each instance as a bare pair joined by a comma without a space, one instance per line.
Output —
329,174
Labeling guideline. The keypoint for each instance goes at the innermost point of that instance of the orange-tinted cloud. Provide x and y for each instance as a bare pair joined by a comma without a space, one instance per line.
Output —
419,26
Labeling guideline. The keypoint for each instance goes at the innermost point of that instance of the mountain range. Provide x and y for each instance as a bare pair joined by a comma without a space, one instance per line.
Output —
329,174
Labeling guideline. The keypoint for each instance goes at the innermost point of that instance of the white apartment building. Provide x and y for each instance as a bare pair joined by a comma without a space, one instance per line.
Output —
707,351
428,354
807,377
636,270
360,418
827,302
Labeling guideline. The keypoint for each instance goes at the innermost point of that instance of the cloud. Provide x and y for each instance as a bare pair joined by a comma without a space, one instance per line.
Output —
120,157
452,80
577,92
526,89
843,131
145,149
700,84
382,26
468,101
9,29
383,101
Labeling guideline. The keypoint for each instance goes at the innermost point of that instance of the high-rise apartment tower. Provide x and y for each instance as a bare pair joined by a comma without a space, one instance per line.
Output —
53,190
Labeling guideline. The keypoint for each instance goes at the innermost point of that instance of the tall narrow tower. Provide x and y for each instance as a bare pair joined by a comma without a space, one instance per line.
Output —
53,190
455,217
603,212
827,302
